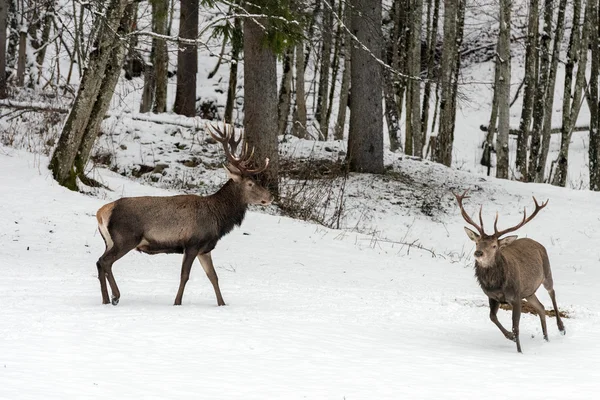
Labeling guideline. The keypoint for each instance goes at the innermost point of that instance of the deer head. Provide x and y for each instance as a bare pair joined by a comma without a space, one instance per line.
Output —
239,164
486,246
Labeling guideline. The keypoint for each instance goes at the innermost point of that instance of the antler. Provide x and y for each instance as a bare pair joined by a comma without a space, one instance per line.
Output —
230,146
459,199
525,220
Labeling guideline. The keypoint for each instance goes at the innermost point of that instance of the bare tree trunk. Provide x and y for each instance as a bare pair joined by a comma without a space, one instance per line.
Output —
22,56
299,128
187,60
113,71
285,92
160,56
572,99
453,22
547,125
148,92
503,90
260,102
62,162
594,149
236,47
541,93
43,42
530,82
345,86
365,140
486,159
321,112
431,47
413,95
3,29
391,80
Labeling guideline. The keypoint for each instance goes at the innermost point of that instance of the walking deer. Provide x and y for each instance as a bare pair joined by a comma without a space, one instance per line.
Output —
186,224
510,269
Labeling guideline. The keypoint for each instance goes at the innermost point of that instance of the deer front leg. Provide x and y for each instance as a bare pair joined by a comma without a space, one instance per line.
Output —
516,317
189,255
494,305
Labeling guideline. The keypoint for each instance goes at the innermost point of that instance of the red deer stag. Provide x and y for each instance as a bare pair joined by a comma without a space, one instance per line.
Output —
186,224
510,269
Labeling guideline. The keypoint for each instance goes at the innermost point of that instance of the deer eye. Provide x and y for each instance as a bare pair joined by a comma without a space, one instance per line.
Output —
250,184
494,246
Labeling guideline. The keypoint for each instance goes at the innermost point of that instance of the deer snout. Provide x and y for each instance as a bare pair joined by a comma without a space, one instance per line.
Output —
478,253
267,201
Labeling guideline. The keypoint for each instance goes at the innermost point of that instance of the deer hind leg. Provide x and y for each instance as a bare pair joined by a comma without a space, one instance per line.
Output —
494,305
541,310
549,286
104,264
188,259
207,264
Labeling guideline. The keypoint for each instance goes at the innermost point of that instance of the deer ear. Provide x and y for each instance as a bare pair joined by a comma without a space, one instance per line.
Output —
472,235
506,241
233,173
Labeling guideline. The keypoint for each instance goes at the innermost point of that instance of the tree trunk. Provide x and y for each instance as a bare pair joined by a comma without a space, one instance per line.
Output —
413,94
236,47
547,125
3,29
22,57
260,99
187,60
285,92
63,159
594,149
160,56
453,10
365,140
327,30
148,92
529,82
503,90
391,80
111,77
540,94
299,128
345,86
572,99
431,46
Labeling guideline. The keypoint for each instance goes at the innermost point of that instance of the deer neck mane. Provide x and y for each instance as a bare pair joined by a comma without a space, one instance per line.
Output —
491,277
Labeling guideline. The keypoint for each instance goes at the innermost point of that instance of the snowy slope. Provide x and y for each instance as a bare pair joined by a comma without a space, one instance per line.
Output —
312,313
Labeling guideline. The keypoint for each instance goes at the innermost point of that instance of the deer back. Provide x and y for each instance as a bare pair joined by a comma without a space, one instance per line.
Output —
524,262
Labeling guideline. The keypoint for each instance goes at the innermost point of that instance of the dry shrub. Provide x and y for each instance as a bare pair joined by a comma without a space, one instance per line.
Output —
313,190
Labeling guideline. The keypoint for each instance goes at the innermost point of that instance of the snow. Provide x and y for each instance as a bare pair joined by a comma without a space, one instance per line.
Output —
311,312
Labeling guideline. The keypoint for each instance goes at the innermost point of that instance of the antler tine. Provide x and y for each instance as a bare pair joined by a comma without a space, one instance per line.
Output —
525,219
232,141
215,132
465,215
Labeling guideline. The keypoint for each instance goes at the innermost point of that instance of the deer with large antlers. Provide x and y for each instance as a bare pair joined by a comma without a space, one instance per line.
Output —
510,269
186,224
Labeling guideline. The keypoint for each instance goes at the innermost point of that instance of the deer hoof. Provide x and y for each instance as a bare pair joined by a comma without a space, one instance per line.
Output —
510,336
115,301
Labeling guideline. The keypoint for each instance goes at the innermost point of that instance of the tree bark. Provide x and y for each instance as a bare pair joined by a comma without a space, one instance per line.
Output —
285,92
299,128
530,82
236,47
260,99
365,141
549,103
345,86
63,158
594,149
107,89
187,60
503,90
391,80
160,56
3,29
431,46
327,32
541,93
413,95
453,21
572,99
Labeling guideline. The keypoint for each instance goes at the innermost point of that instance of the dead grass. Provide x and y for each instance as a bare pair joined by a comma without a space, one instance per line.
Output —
526,308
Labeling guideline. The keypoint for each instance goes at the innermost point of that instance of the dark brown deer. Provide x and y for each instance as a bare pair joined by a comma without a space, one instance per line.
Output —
510,269
187,224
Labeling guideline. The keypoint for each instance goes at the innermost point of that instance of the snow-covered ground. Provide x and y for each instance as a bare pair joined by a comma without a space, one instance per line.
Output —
311,313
